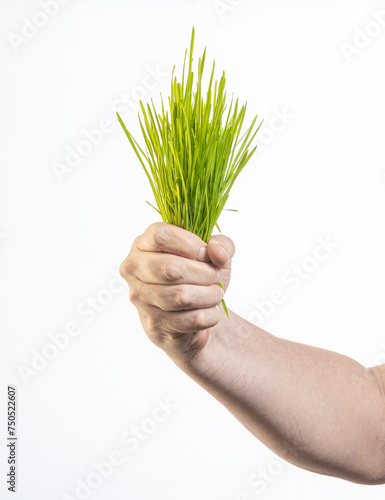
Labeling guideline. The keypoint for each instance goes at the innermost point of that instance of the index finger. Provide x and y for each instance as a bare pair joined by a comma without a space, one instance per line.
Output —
168,238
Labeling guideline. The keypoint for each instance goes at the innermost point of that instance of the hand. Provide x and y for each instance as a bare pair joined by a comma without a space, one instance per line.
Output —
173,279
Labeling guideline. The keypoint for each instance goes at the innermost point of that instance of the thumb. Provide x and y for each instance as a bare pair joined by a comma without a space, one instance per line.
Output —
220,250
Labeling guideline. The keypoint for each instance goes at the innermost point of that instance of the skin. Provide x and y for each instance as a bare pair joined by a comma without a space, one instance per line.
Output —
317,409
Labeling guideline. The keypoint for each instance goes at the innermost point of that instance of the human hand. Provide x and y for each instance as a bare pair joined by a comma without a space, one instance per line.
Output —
173,279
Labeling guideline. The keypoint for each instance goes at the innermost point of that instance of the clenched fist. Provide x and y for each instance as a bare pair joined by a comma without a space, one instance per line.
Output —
173,279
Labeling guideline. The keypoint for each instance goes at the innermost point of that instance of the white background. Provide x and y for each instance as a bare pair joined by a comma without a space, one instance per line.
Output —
62,237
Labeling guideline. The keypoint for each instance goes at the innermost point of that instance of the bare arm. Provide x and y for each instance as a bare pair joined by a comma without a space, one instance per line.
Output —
317,409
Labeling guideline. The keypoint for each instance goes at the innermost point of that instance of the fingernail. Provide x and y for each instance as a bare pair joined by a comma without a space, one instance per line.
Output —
202,254
224,249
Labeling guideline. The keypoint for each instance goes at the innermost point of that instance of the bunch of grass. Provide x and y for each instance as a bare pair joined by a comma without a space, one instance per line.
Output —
194,151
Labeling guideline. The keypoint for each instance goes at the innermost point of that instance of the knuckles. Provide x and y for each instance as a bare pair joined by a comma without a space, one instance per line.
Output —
128,266
158,234
126,269
200,319
182,298
153,326
170,272
122,270
133,295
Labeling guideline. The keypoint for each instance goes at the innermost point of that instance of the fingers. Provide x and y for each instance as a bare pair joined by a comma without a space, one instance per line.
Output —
161,268
179,322
176,298
167,267
173,280
165,237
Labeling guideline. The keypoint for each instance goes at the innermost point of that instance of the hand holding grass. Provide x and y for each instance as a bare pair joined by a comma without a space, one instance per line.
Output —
172,275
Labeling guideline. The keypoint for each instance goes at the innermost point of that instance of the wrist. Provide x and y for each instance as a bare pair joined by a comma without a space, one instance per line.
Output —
209,362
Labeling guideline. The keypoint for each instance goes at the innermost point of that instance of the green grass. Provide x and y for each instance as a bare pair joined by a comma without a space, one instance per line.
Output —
194,150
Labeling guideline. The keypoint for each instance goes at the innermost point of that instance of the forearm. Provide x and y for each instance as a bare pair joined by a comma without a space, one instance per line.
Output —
317,409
